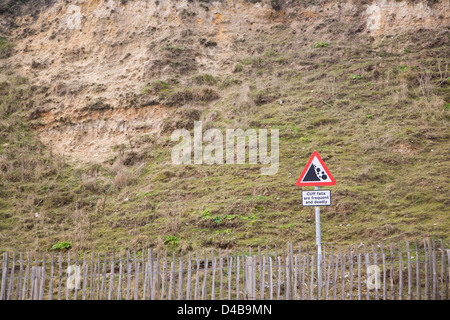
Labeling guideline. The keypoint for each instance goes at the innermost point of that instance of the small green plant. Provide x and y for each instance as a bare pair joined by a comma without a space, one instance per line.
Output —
251,217
402,68
173,49
447,106
355,77
217,219
160,85
5,48
156,86
259,208
246,61
60,246
369,116
226,231
305,139
238,67
281,60
204,79
286,226
320,44
164,176
270,53
206,214
257,61
228,81
119,148
229,216
172,241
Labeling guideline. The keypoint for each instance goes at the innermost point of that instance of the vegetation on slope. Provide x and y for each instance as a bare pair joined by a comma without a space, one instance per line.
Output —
376,110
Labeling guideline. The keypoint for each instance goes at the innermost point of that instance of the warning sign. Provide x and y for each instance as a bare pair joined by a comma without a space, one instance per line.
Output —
316,198
316,173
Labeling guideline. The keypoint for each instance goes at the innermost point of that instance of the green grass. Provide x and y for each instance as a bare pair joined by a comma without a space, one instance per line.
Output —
5,48
204,79
156,86
321,44
64,245
173,49
172,241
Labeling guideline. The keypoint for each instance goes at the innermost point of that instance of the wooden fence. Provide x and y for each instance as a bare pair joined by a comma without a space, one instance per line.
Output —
392,272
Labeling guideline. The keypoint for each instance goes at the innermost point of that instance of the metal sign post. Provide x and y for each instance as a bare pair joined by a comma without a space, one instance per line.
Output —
319,250
316,174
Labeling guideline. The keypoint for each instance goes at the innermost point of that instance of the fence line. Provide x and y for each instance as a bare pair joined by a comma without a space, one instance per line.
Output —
417,272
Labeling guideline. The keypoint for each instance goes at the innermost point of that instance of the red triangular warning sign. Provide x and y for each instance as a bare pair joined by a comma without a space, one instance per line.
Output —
316,173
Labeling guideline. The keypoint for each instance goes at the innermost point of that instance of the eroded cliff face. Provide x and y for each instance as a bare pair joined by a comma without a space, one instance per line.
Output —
88,61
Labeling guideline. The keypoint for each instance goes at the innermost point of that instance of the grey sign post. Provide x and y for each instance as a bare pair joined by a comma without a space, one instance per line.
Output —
319,249
317,198
316,174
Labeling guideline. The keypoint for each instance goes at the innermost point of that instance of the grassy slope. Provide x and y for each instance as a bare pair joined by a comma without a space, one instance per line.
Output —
376,110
